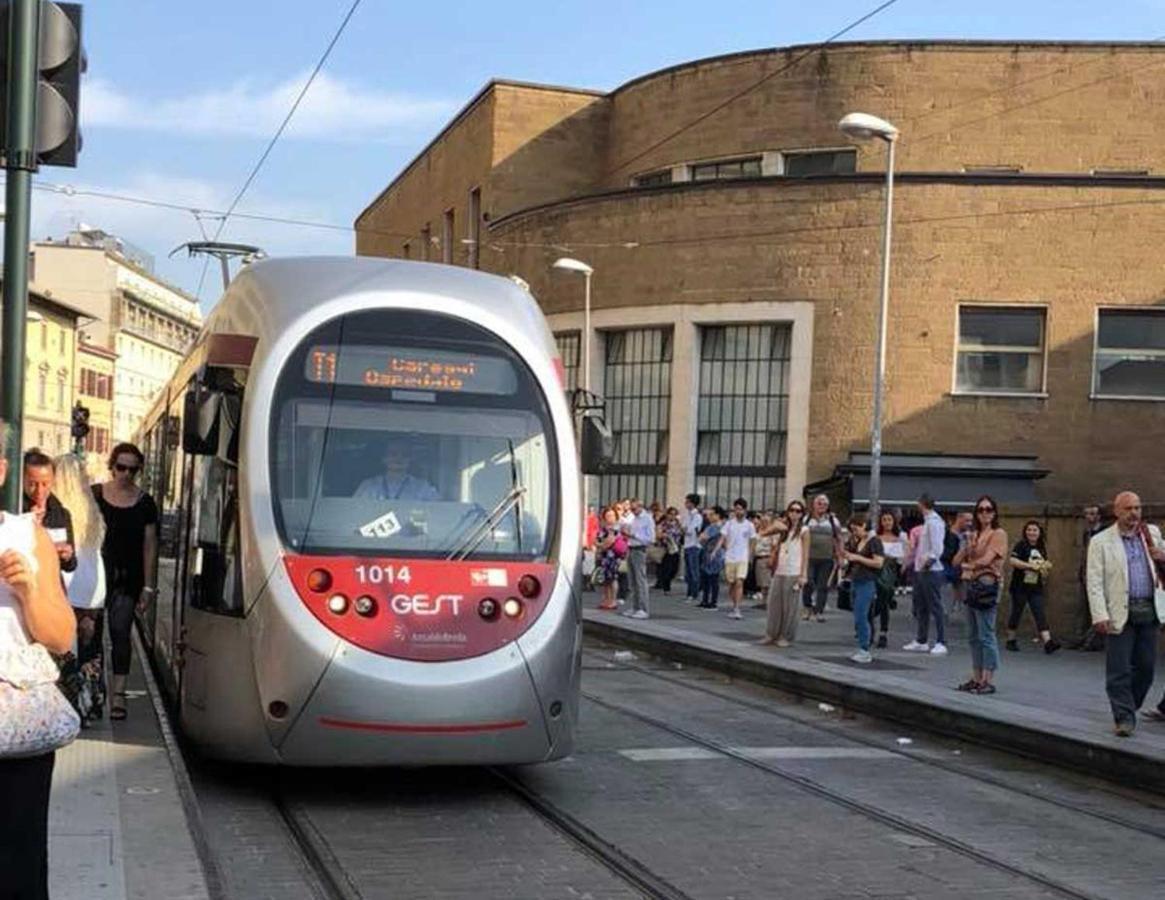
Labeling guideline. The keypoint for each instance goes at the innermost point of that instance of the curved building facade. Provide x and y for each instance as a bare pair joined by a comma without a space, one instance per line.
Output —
735,237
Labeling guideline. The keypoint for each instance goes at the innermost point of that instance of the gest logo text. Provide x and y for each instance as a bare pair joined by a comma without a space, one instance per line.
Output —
425,604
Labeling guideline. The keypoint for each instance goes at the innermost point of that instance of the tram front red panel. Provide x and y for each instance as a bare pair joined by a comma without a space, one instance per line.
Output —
426,610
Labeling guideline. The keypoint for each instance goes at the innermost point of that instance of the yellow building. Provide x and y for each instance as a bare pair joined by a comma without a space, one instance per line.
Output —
149,324
50,348
96,371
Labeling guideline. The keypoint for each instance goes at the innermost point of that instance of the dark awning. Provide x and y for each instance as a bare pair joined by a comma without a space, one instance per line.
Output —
952,480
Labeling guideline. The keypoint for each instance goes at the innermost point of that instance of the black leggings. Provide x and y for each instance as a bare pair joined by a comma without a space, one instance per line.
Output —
1023,595
119,607
24,827
668,568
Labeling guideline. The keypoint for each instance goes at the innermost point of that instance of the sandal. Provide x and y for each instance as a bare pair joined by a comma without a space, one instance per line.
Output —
985,689
117,708
968,687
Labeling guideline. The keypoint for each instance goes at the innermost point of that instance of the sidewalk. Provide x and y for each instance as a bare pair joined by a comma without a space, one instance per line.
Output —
117,829
1050,707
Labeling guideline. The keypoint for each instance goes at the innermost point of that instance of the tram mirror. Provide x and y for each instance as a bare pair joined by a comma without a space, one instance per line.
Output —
200,416
597,446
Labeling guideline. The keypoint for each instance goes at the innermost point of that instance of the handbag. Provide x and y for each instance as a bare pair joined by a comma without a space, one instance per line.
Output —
982,595
35,717
845,596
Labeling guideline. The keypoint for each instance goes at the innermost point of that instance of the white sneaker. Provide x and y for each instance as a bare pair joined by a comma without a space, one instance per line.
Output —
639,614
862,656
938,650
916,647
735,614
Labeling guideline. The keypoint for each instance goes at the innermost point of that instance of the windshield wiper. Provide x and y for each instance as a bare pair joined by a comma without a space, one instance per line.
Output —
475,537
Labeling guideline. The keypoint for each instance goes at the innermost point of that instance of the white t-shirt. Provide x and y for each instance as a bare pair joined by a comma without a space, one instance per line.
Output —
737,534
789,559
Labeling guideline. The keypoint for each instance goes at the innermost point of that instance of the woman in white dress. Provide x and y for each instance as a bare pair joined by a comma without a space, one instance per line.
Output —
85,585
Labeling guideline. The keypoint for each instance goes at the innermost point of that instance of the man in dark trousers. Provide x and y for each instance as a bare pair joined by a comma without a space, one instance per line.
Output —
39,474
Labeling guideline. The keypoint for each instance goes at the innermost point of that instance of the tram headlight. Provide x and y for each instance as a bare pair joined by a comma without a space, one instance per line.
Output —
512,607
365,606
488,609
529,587
338,604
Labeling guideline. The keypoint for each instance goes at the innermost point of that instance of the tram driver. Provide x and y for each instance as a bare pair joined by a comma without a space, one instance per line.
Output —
396,483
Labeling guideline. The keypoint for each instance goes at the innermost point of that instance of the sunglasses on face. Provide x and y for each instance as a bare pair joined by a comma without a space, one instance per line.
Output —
796,509
122,467
989,509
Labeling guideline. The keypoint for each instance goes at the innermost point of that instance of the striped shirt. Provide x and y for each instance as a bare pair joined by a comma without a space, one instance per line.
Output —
1140,573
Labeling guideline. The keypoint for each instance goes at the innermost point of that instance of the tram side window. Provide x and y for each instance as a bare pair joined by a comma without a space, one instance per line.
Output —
216,582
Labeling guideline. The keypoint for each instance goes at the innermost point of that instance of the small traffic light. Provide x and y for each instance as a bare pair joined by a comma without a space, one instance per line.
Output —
80,426
60,64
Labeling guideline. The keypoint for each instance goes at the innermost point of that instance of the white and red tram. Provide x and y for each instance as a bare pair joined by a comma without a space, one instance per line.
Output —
371,521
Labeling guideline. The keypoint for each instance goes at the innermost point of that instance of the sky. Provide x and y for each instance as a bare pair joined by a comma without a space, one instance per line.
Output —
180,99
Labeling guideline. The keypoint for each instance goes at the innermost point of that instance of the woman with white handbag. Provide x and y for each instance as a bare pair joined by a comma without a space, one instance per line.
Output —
35,717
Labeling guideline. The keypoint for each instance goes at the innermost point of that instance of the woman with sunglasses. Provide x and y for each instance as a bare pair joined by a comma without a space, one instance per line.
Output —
130,551
981,561
789,564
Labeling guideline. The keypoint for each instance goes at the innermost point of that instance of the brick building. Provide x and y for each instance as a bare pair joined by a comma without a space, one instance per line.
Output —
735,238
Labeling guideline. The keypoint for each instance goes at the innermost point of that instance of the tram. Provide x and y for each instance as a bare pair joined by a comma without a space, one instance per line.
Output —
371,521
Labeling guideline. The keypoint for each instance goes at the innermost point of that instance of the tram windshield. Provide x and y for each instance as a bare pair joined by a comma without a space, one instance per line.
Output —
407,433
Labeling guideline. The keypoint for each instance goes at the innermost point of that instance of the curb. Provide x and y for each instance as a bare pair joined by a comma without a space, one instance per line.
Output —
1094,759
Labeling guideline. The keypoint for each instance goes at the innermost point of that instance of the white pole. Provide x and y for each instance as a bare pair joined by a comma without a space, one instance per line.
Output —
585,347
880,370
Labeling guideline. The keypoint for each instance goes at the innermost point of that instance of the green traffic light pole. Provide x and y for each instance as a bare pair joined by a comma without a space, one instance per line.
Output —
20,163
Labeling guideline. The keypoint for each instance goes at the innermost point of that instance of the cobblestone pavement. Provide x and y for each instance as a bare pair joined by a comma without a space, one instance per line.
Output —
718,789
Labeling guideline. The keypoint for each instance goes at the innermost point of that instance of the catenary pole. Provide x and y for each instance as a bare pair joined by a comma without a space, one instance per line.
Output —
880,366
19,164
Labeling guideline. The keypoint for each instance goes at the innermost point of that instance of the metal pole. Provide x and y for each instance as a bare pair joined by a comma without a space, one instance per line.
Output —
20,163
880,368
585,347
226,272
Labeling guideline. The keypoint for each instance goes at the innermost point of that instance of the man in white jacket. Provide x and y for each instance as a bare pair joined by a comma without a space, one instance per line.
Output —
1123,588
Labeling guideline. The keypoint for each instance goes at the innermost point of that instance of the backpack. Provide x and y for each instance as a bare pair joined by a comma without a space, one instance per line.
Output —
951,545
620,546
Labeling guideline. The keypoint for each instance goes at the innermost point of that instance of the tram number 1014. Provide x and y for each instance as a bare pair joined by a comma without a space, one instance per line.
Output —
384,574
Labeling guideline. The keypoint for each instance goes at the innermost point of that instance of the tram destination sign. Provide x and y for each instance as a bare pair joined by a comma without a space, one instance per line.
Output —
401,368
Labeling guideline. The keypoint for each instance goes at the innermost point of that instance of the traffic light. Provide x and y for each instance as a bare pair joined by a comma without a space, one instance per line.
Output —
80,426
60,64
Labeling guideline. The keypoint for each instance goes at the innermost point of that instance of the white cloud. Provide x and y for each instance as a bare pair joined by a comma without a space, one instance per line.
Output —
159,231
333,109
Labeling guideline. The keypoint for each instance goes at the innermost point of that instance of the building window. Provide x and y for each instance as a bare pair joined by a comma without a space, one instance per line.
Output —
727,169
1130,353
44,335
447,237
655,179
820,162
42,390
1001,350
743,413
474,223
60,395
637,386
64,340
406,250
569,349
426,242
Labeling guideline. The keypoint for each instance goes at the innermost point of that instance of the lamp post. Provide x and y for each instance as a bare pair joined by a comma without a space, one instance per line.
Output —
573,265
864,127
567,264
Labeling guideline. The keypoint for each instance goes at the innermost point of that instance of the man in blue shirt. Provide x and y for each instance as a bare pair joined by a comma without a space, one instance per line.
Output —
928,581
395,483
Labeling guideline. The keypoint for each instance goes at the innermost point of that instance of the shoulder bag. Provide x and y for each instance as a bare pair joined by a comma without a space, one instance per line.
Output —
35,717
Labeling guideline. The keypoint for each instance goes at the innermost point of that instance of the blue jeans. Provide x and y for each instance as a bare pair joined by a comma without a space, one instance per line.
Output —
692,571
710,586
984,643
863,598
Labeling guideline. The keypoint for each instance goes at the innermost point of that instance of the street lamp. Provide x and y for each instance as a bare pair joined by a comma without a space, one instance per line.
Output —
864,127
573,265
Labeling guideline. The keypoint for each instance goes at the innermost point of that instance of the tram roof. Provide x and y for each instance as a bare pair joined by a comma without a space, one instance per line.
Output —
289,287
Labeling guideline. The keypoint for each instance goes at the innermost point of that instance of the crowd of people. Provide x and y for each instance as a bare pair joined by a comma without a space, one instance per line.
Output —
790,563
76,563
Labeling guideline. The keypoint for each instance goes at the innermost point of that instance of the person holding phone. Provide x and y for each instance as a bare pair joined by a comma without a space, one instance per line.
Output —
39,480
130,551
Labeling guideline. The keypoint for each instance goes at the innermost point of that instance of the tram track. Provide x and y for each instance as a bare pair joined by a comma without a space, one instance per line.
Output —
316,853
822,791
914,755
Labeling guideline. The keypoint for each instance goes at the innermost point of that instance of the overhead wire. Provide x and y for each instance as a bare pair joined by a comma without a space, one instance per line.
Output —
254,173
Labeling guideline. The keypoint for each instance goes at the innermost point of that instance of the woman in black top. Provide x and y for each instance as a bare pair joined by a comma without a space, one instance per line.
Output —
1027,586
129,552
